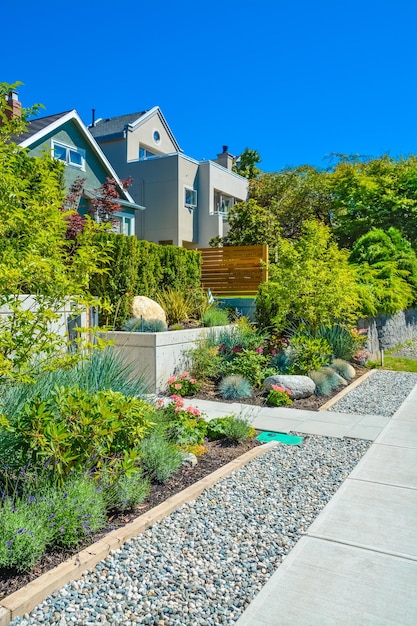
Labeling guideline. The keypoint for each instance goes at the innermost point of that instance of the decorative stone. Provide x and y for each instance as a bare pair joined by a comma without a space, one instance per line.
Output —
147,309
189,457
299,386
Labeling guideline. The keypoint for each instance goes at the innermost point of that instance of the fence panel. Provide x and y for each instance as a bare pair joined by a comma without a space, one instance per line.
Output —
234,270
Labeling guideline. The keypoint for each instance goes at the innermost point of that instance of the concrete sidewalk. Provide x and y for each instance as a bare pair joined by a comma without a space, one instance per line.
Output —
357,563
329,423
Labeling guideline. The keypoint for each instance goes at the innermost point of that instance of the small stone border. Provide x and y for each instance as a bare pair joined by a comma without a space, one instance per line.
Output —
344,392
25,599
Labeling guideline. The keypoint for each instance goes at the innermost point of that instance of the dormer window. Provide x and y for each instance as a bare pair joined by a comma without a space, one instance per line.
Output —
70,155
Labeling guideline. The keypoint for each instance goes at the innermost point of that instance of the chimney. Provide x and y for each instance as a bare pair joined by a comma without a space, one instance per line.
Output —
225,159
14,106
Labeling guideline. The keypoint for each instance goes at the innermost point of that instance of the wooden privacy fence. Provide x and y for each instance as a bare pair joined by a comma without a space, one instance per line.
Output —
234,270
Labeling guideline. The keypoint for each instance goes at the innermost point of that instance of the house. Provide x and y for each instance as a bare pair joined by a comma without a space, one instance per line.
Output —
186,200
65,137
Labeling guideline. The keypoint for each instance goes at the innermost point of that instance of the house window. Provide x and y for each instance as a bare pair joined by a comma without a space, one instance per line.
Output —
190,197
70,155
144,154
123,223
222,203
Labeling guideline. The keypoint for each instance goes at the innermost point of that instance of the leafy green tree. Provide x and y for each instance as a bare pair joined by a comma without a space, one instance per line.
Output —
311,281
278,204
373,193
245,164
34,256
386,270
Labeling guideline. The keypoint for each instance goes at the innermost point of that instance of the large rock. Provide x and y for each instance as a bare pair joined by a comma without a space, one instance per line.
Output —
299,386
147,309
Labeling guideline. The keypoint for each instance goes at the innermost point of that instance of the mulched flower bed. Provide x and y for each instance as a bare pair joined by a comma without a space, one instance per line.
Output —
208,391
217,454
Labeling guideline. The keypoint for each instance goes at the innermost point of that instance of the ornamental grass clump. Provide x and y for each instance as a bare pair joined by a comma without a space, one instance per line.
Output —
326,380
183,385
159,457
215,316
279,396
344,369
235,387
230,428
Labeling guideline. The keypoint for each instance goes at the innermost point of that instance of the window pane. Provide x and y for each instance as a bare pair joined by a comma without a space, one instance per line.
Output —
60,153
75,158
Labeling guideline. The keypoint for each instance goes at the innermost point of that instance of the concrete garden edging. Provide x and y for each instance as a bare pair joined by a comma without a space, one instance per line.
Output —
32,594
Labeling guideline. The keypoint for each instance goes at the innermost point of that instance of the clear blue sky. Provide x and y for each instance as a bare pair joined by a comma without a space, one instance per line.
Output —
294,79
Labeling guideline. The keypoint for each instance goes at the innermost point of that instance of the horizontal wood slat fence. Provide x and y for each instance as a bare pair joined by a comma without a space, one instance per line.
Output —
234,270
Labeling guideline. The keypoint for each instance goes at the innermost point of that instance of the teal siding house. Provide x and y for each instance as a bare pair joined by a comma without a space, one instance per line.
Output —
66,138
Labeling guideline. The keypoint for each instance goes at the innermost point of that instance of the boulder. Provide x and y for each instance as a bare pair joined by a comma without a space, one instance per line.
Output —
299,386
147,309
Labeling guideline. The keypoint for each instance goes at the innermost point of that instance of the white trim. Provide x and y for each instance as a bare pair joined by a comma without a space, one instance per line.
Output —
68,148
190,205
146,116
73,115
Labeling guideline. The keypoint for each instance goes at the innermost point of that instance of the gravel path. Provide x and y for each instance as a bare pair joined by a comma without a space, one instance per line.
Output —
204,563
380,394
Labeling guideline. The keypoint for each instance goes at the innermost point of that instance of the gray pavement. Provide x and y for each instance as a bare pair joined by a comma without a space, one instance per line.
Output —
357,563
284,420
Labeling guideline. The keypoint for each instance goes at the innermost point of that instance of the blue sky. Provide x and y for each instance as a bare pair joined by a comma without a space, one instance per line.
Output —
295,79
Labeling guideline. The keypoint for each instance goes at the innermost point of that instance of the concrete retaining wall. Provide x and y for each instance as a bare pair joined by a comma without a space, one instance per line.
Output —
388,331
157,356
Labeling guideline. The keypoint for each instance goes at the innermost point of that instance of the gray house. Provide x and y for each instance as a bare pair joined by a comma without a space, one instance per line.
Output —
186,201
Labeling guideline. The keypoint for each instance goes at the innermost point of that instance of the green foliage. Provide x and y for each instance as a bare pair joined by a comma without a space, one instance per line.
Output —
249,224
245,164
235,388
311,280
231,428
215,316
177,304
73,429
308,353
44,516
142,268
387,271
159,457
36,258
124,491
247,363
278,396
343,342
326,380
181,425
205,361
135,325
374,193
343,368
183,385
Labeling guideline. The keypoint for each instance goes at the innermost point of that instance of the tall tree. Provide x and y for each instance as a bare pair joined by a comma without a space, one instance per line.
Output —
245,164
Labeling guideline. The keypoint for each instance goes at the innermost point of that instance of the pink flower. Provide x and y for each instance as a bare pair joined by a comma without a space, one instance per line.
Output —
259,350
193,381
182,376
171,380
177,386
177,409
273,352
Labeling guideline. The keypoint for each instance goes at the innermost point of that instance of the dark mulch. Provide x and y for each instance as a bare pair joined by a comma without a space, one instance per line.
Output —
217,455
208,391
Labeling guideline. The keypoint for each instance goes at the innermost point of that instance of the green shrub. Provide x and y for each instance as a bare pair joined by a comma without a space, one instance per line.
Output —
307,353
326,380
235,388
135,325
249,364
342,341
215,317
205,361
125,491
279,396
231,428
73,429
343,368
180,424
159,457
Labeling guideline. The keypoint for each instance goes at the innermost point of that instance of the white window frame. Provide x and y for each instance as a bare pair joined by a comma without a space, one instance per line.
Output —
122,219
192,204
68,149
226,196
148,154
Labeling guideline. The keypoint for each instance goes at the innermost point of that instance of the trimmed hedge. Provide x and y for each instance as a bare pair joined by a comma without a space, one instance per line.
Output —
141,268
